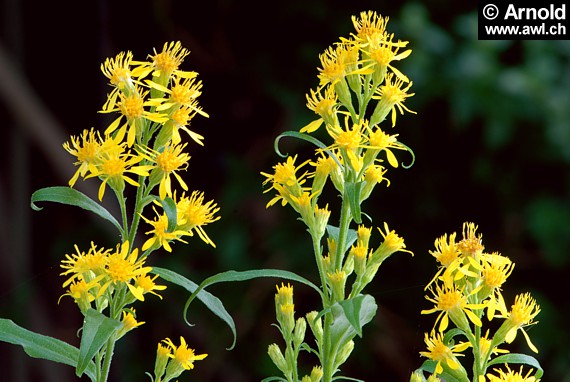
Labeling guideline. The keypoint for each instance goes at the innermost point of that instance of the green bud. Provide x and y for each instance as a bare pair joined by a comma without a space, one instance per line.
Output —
315,325
344,353
277,357
299,332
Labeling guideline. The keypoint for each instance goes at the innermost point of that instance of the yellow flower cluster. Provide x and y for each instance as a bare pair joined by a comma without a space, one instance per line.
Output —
467,290
154,100
358,88
172,361
100,275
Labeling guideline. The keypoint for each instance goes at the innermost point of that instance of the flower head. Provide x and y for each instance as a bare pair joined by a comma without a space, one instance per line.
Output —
182,355
169,60
166,163
194,213
86,149
512,376
521,315
161,233
451,302
123,267
114,164
438,351
285,180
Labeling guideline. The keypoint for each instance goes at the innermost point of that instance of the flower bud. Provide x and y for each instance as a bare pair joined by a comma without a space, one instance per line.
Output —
315,325
277,357
344,353
299,332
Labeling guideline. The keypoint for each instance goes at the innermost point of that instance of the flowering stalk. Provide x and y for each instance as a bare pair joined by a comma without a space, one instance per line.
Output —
358,88
467,292
154,101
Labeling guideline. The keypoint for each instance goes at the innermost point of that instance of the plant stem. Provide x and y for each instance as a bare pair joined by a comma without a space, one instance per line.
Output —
344,223
137,211
322,271
109,349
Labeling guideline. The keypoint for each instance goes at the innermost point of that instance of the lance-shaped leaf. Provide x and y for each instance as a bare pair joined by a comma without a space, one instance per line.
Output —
518,359
212,302
304,137
97,329
40,346
70,196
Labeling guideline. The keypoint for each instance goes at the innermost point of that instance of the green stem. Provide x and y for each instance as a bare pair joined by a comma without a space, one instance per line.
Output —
137,211
322,271
327,359
122,205
477,354
345,219
107,357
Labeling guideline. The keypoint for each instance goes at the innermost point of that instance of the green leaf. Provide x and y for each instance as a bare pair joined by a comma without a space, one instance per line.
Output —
349,317
40,346
351,235
212,302
97,329
519,359
352,193
70,196
357,310
169,207
232,276
305,137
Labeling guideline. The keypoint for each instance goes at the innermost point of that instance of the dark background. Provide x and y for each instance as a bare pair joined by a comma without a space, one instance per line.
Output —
492,145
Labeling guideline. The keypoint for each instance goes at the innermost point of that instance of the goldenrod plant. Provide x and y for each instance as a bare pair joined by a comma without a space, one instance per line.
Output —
359,87
466,292
140,155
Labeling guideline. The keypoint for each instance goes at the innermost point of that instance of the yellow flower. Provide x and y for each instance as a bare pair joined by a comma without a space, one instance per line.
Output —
182,355
333,69
168,61
86,149
180,119
392,242
147,284
132,108
522,314
193,214
118,71
112,166
452,303
446,250
284,308
325,106
123,267
438,351
128,322
391,97
84,265
379,140
285,181
512,376
370,26
167,162
471,244
182,92
83,293
161,235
